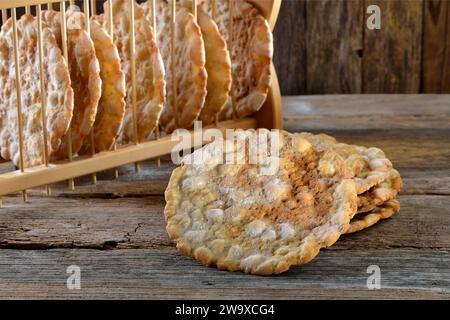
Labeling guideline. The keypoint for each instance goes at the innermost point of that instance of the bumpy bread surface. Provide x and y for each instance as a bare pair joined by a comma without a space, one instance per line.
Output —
234,217
85,78
366,166
111,107
381,212
59,93
251,47
150,74
190,60
379,194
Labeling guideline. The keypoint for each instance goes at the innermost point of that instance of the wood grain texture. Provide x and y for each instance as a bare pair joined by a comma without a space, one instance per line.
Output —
290,47
116,231
334,46
157,274
392,55
436,47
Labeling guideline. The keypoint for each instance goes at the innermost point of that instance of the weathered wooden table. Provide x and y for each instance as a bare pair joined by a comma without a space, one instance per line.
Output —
115,232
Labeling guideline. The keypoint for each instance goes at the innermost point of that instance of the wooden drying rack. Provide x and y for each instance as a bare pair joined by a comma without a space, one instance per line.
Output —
269,116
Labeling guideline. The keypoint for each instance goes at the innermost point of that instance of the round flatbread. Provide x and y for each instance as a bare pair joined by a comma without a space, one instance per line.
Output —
150,83
191,76
59,93
251,46
85,78
238,216
111,107
381,212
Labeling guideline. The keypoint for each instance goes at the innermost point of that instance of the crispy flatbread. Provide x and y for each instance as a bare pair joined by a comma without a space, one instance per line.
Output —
236,218
381,212
367,166
111,107
251,47
85,78
379,194
59,93
218,66
191,76
150,81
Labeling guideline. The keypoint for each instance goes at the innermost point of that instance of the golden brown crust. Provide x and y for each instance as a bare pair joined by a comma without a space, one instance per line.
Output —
379,194
150,74
381,212
111,107
233,217
85,79
191,76
367,166
251,55
59,93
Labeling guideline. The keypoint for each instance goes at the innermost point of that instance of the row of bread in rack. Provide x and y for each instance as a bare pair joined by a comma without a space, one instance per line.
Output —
220,71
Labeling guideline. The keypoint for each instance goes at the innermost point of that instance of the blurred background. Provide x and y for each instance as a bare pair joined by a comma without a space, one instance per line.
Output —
324,46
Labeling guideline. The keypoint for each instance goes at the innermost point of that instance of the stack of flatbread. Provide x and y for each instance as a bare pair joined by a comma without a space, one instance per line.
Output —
221,73
260,202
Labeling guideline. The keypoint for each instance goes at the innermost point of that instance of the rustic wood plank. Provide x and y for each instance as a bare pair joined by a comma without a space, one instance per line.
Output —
290,47
392,55
361,112
139,223
155,273
436,47
334,46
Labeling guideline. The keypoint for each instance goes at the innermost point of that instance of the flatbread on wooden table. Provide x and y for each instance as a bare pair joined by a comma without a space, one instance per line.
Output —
59,93
233,217
190,61
111,107
85,78
151,85
366,220
251,46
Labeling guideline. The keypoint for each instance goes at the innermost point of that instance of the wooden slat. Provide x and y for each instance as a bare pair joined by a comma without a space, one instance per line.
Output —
33,177
392,55
6,4
290,56
334,44
159,274
436,47
353,112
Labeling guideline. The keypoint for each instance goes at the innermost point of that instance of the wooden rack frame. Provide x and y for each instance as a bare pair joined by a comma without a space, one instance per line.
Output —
269,116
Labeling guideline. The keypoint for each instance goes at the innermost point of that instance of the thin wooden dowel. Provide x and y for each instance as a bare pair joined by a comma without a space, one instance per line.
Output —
91,133
72,2
94,7
66,56
18,96
111,33
157,133
172,59
110,19
133,78
49,6
194,9
43,96
213,10
230,46
27,9
4,15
